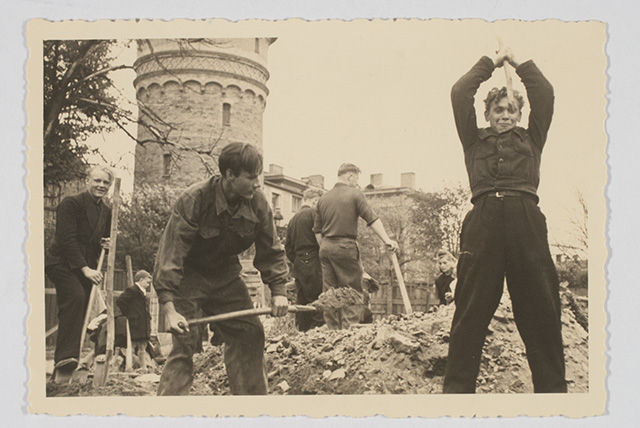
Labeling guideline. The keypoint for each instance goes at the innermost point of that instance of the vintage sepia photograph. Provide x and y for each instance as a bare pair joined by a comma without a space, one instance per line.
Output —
357,217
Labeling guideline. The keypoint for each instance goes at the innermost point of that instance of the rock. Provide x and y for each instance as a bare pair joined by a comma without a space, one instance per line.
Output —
403,344
326,374
495,349
272,348
338,374
284,386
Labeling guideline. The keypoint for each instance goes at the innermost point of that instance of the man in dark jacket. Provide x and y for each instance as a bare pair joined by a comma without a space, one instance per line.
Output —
82,221
505,233
302,248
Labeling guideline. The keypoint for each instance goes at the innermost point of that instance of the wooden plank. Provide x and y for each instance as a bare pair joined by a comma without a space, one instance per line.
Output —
101,374
403,289
129,351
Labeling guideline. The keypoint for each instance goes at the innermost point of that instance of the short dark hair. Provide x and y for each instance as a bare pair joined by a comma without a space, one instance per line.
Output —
348,167
140,275
312,193
240,157
497,94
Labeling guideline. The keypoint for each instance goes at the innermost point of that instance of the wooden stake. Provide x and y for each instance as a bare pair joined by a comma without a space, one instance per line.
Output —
100,375
403,288
128,366
129,351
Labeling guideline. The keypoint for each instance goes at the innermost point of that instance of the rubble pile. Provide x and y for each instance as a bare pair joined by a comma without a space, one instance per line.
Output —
401,354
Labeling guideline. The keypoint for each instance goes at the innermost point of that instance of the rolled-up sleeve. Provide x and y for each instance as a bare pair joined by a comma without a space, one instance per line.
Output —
175,243
364,209
270,256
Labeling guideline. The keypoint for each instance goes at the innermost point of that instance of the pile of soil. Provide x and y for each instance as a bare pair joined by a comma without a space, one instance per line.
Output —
401,354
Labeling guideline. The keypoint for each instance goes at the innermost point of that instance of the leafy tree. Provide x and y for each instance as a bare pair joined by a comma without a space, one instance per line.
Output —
412,219
142,221
456,204
78,102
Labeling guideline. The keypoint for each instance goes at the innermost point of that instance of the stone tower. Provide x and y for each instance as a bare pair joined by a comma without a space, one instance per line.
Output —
196,95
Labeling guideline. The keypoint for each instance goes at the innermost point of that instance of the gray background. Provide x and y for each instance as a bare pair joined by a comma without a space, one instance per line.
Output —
623,153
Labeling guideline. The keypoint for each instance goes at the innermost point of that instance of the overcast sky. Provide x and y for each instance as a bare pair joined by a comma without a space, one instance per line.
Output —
377,94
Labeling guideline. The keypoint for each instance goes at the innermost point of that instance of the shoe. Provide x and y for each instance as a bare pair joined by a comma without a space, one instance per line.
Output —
68,364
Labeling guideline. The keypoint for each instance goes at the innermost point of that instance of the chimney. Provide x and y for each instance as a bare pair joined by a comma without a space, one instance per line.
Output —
376,180
275,169
408,180
315,180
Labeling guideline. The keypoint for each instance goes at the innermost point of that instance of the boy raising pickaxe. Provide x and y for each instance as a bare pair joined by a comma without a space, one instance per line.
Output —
505,233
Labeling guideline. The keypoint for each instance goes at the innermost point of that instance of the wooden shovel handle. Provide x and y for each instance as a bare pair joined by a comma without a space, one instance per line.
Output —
247,313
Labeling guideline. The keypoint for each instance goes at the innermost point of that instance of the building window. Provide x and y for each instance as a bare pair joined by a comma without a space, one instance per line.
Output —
166,164
226,114
257,46
296,203
275,201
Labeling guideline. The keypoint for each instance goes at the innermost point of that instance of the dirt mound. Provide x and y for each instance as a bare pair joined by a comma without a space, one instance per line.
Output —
403,354
398,355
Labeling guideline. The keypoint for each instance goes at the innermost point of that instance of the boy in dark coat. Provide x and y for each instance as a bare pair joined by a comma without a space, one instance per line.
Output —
133,305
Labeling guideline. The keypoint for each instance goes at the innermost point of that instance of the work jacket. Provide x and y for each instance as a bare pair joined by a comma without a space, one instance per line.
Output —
203,236
510,160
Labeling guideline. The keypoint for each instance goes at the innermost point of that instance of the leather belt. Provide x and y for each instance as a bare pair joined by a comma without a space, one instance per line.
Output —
501,194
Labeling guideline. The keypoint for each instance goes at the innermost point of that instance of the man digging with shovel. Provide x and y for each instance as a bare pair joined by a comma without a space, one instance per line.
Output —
197,267
336,229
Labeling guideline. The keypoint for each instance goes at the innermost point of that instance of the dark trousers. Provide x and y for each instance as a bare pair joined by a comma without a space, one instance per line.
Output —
341,267
340,260
308,274
243,338
506,237
72,297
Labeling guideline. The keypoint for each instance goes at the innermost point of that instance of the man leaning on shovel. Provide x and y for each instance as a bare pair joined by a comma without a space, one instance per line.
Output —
197,267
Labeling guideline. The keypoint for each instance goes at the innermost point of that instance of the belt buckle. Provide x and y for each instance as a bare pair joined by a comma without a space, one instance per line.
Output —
499,195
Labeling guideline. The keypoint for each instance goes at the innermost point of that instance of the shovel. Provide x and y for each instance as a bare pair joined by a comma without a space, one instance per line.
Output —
247,313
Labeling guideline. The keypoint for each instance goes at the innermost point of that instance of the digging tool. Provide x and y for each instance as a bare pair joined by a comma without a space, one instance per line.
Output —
403,288
247,313
101,370
128,353
92,298
507,75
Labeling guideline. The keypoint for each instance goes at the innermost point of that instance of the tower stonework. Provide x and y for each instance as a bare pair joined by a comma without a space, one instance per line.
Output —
195,97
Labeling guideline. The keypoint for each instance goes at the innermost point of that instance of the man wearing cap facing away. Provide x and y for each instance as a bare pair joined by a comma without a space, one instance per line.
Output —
505,234
197,267
302,250
336,228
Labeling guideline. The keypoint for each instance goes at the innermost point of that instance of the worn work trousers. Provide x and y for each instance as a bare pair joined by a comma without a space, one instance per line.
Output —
243,338
72,297
506,236
308,274
341,267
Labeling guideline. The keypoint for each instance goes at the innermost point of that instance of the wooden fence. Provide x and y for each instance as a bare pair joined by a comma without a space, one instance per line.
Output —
388,300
